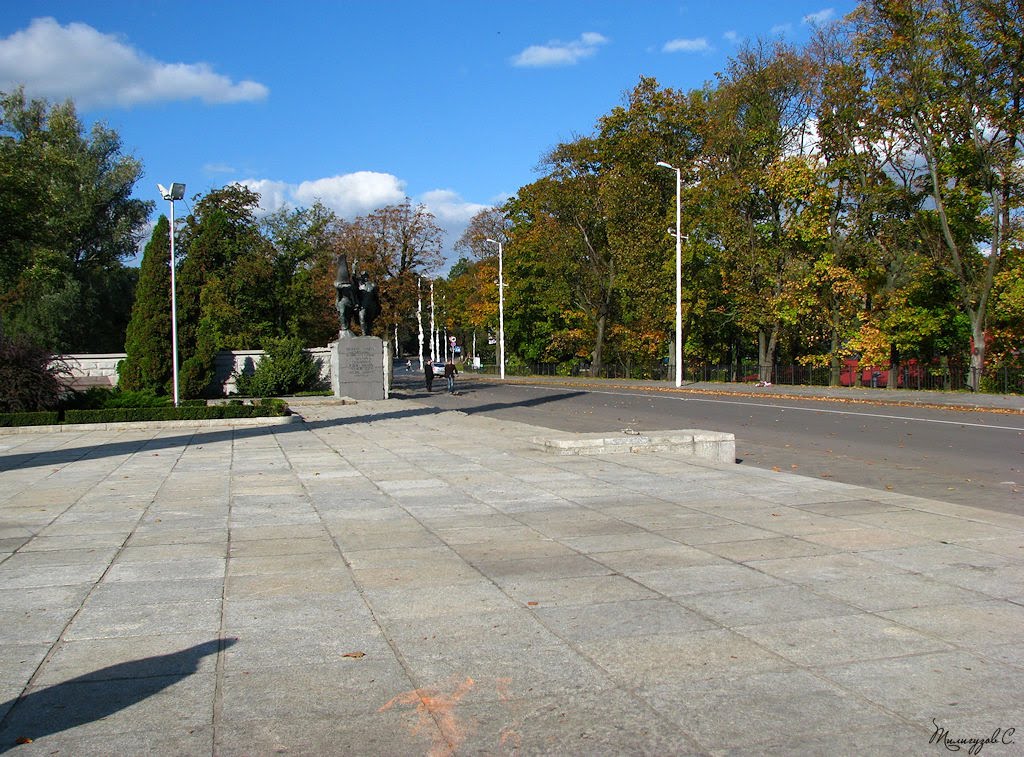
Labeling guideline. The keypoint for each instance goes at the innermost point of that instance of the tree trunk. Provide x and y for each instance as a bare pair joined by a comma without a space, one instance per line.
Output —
893,382
835,364
598,354
977,353
766,352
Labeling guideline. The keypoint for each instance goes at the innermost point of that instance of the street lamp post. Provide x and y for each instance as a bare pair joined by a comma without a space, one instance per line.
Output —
679,273
501,309
176,192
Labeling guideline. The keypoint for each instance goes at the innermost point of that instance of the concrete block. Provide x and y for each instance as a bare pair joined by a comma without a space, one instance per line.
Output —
716,446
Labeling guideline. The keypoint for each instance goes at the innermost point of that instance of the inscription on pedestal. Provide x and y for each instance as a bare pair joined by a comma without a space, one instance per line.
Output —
357,368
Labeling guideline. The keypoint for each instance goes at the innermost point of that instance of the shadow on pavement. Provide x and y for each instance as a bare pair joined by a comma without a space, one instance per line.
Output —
73,454
98,694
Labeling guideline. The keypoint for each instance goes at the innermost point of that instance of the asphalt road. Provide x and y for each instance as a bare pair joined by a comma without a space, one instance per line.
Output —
972,458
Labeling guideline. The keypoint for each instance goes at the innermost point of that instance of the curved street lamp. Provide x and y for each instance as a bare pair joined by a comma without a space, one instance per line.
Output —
176,192
501,310
679,273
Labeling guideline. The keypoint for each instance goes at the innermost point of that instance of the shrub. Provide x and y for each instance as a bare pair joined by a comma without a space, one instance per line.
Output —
286,368
516,366
85,399
137,398
97,398
29,377
44,418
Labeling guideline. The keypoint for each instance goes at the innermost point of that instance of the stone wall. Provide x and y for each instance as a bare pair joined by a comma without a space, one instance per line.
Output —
93,370
101,370
230,363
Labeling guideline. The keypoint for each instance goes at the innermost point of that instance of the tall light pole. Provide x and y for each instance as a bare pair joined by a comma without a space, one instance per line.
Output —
501,309
176,192
679,273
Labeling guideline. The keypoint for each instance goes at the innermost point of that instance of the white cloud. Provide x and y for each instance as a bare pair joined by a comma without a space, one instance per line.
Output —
361,192
731,36
780,30
97,69
349,195
698,45
352,194
557,53
825,14
274,195
449,208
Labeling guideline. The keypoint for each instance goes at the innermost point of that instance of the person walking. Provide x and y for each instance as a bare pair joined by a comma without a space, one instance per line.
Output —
450,373
428,374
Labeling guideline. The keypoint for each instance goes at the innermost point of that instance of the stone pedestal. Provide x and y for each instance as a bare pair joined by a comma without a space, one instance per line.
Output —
360,368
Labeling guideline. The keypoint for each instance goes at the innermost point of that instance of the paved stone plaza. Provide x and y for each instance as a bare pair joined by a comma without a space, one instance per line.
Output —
384,578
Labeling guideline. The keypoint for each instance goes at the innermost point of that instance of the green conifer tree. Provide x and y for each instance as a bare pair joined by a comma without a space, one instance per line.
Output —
148,341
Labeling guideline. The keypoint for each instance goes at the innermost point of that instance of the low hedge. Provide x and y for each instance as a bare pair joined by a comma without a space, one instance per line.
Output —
184,413
45,418
190,410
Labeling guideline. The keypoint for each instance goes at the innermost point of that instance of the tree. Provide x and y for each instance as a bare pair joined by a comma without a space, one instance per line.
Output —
396,245
67,221
148,342
653,125
223,296
303,263
757,137
949,76
571,197
487,224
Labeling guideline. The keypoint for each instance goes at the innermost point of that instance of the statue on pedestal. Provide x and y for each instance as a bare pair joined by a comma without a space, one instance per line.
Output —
355,300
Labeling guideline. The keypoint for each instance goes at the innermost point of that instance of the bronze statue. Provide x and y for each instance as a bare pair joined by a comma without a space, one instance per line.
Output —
369,303
360,301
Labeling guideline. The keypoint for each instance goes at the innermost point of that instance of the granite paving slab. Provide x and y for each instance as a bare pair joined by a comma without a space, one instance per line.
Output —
388,578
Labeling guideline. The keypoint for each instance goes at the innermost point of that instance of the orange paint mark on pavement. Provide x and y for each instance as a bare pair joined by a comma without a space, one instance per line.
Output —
435,708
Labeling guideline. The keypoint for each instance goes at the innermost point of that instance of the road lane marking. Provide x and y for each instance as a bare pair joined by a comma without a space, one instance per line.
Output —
640,393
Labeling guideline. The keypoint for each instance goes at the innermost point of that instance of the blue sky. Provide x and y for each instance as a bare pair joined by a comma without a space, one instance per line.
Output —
361,104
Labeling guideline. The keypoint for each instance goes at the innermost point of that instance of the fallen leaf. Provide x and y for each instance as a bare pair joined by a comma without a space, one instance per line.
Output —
23,740
532,604
354,655
776,469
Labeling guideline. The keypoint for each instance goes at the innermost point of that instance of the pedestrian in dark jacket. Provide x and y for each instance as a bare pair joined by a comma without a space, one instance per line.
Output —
450,373
428,374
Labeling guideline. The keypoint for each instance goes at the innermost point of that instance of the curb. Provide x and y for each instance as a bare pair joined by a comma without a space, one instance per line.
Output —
151,425
782,395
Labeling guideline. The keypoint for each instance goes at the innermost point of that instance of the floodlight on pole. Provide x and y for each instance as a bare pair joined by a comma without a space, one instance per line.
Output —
501,309
679,273
176,192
